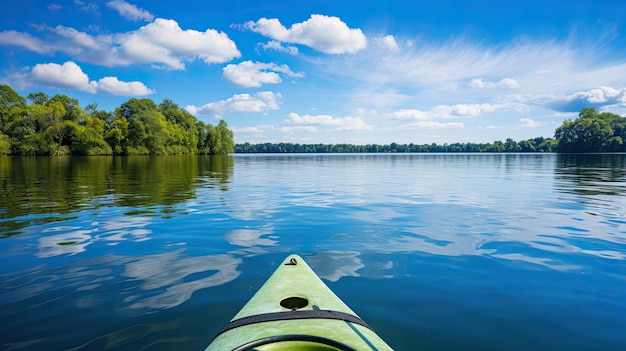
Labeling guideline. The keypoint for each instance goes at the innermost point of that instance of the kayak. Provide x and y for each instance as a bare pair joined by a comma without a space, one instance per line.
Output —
295,310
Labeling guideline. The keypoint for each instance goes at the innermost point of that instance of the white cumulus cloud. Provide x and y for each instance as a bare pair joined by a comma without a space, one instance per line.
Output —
341,123
327,34
254,74
162,43
597,97
258,102
116,87
70,76
66,76
130,11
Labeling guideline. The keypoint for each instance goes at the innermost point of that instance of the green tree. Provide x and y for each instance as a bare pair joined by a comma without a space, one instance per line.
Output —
588,133
511,146
45,116
12,107
5,144
618,124
203,137
116,135
527,146
89,138
23,137
497,146
182,127
145,127
73,111
213,139
222,141
547,145
217,140
57,138
26,129
9,100
38,98
615,144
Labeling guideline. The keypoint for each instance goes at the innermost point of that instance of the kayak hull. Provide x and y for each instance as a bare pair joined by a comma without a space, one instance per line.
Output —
295,310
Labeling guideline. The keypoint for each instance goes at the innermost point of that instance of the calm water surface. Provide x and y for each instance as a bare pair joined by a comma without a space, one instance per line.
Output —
455,252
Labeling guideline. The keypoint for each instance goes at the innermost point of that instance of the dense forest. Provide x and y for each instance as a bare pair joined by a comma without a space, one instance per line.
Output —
59,126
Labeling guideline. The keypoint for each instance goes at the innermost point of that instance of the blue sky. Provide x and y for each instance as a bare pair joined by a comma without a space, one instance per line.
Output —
330,71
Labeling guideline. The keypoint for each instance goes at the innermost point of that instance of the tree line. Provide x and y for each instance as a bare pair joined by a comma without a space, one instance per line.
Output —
57,125
532,145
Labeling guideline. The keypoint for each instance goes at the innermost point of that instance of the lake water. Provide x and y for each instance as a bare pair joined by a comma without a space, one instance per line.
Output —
442,251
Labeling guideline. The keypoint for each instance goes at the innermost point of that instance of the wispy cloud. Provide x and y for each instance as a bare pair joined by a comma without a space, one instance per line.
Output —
278,46
130,11
27,41
424,64
458,79
254,74
530,66
258,102
388,42
70,76
327,34
88,6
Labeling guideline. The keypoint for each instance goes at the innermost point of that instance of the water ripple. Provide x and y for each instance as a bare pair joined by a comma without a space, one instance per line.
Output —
155,253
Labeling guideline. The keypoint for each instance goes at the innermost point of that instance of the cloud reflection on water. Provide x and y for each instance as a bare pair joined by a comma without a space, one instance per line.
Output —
251,237
444,229
333,265
169,279
74,239
164,280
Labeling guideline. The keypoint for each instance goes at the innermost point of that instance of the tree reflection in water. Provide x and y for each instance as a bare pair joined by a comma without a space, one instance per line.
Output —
50,189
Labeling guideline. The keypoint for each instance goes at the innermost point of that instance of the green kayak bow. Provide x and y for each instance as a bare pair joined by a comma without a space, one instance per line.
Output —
295,310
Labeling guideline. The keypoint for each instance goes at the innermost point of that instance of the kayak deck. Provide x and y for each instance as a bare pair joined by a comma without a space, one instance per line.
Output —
295,310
